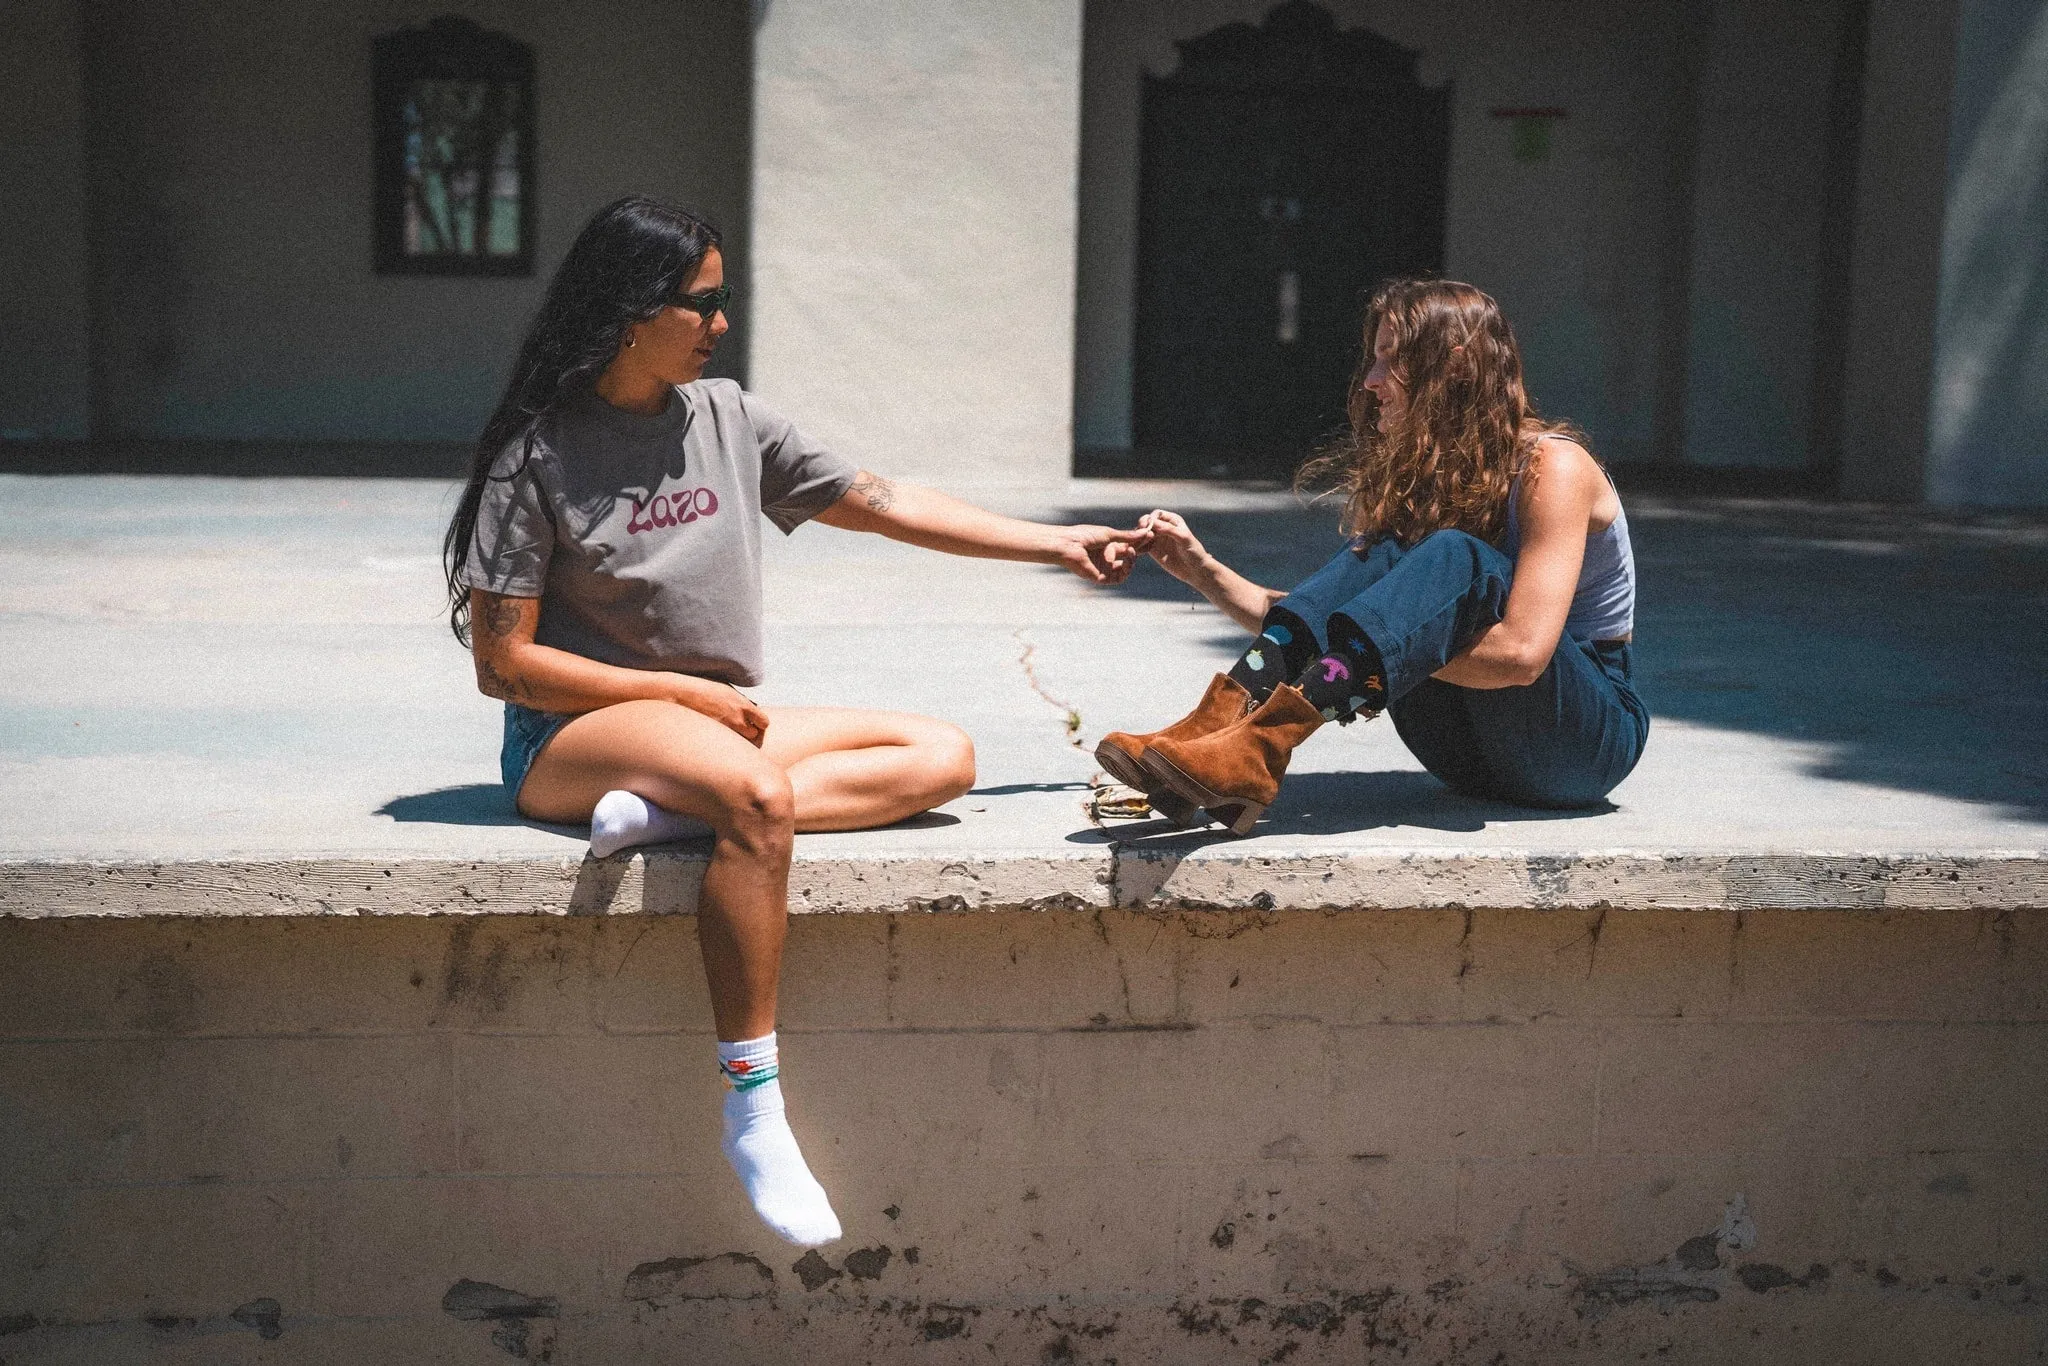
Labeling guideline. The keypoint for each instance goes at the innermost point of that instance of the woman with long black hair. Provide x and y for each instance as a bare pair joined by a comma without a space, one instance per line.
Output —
604,568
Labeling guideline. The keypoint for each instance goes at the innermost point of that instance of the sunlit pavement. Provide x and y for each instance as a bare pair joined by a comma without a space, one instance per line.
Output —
204,669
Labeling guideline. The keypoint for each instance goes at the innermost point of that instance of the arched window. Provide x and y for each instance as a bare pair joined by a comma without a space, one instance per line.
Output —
454,149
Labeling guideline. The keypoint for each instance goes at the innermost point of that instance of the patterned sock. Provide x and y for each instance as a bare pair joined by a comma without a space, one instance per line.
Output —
1284,648
1348,681
763,1151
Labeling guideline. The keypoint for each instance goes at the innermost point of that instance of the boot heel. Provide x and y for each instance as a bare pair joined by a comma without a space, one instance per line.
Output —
1240,817
1169,804
1174,785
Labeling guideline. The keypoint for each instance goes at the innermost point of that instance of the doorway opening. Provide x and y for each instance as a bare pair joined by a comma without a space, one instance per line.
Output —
1285,169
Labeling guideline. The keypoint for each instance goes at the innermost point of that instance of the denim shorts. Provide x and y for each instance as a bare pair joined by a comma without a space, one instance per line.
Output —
526,731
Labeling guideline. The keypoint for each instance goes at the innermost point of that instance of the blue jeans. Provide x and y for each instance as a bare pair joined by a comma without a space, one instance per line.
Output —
1565,740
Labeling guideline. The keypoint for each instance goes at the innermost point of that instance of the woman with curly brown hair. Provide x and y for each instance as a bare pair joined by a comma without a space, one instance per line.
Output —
1486,597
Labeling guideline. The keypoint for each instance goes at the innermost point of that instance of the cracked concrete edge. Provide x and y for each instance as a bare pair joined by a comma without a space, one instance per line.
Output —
662,882
666,881
1594,881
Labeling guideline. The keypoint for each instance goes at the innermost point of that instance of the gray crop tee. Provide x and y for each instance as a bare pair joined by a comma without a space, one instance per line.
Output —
641,536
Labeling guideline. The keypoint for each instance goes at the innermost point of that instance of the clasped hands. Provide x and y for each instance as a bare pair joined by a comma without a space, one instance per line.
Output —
1106,555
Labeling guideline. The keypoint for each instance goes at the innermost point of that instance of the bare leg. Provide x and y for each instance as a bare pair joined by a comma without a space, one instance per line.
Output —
685,761
819,768
853,769
828,769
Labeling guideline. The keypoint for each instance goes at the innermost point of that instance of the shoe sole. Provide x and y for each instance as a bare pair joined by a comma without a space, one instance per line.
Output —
1127,771
1236,812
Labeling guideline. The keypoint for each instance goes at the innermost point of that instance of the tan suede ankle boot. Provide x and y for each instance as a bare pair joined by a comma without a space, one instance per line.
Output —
1234,773
1122,754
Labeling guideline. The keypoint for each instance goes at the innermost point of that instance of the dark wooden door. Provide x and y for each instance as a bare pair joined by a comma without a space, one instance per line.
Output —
1285,170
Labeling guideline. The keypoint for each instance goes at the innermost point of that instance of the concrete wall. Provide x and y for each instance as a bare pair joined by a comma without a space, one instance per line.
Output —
1585,251
233,296
43,338
914,184
1988,432
1527,1136
1760,162
1895,253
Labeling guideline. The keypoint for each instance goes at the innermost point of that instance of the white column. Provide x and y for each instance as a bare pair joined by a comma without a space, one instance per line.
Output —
913,232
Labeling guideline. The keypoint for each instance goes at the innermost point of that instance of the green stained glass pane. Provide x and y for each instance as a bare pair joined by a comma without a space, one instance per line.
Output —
462,169
454,150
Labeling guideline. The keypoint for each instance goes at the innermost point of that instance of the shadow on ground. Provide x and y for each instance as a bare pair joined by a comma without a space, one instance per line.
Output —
1012,789
469,804
1346,803
489,804
1907,646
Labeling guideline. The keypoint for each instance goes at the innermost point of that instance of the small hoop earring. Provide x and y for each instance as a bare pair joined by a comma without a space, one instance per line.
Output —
630,341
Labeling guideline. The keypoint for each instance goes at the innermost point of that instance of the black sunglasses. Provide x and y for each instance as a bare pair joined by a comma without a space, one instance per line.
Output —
706,304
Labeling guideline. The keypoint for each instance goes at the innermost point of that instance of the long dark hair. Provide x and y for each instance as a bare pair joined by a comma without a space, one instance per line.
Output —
1468,431
632,258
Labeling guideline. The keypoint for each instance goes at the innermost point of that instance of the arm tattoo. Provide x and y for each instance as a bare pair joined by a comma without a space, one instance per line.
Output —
501,616
492,683
498,619
880,492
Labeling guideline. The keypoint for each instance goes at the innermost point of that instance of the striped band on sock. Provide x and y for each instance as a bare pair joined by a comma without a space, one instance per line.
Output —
741,1074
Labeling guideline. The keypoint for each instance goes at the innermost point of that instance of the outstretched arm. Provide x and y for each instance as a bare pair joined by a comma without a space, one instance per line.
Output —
1184,557
936,521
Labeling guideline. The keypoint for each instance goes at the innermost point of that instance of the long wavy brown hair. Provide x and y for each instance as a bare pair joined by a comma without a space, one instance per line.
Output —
1451,457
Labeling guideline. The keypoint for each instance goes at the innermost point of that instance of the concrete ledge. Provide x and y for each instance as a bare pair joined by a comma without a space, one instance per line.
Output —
1779,1137
665,882
1511,880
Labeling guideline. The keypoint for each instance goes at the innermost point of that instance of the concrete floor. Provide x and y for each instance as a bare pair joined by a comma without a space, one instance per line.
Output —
212,668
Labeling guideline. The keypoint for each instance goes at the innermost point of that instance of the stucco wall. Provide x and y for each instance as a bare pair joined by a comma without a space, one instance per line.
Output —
233,296
1452,1136
1988,429
43,367
1584,250
914,182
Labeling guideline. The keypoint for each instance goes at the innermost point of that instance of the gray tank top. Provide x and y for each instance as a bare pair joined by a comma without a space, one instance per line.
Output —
1604,607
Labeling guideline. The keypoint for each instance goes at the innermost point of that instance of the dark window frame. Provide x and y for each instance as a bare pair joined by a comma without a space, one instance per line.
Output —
448,48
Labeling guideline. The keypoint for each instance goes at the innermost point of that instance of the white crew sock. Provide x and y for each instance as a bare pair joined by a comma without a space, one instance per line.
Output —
623,819
763,1151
